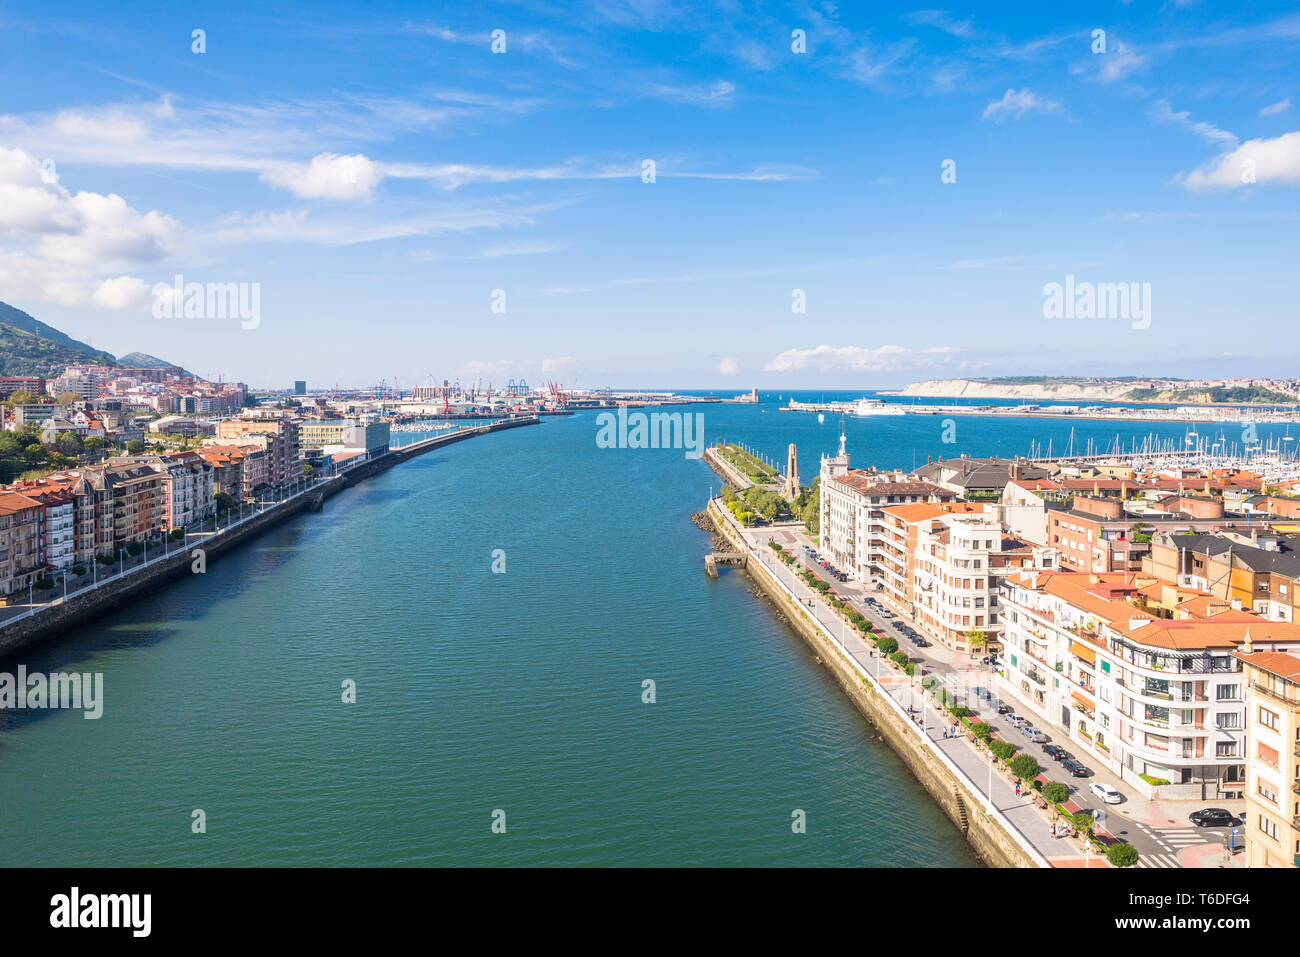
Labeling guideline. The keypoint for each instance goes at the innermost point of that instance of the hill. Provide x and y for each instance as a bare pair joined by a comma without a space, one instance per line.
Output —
142,360
31,348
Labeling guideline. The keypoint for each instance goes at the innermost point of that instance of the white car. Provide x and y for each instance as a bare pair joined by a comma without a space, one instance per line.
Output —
1104,791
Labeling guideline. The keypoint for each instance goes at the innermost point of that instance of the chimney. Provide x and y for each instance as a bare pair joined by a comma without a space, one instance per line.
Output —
1247,646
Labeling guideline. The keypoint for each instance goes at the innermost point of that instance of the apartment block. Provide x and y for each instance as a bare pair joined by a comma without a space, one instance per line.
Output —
1273,763
1157,699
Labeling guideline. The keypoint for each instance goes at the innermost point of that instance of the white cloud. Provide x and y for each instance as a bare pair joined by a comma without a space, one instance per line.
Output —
858,358
1017,103
328,176
730,365
523,248
557,365
716,94
1274,160
1281,106
70,240
123,292
962,29
1119,63
1164,113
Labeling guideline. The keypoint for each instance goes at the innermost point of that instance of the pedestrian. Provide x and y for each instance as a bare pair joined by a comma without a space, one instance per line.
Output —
1017,789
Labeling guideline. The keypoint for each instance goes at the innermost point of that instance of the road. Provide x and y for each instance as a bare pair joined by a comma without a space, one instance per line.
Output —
1157,846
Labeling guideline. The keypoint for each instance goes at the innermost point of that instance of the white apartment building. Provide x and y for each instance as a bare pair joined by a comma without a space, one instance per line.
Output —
1273,763
956,576
1154,699
852,503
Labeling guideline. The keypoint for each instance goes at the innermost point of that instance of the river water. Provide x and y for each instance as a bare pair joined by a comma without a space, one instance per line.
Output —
479,692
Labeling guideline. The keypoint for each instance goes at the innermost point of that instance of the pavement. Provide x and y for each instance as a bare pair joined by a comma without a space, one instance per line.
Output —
1159,830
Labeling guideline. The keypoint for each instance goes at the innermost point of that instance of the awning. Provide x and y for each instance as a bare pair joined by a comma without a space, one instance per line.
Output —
1084,652
1087,703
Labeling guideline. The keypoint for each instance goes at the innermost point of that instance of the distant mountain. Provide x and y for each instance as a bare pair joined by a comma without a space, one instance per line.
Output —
142,360
28,347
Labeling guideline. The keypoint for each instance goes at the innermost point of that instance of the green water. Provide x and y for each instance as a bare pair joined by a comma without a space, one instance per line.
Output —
478,691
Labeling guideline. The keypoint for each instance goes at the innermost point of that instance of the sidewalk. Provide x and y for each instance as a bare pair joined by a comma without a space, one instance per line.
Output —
1028,821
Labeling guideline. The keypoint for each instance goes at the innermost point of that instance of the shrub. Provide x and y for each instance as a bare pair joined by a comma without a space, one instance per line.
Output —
43,583
135,548
1025,767
1003,750
79,569
961,711
899,657
887,645
1055,791
1154,782
1082,820
1122,855
910,668
981,730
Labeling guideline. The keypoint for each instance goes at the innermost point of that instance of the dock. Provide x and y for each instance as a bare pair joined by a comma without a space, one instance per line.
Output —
714,559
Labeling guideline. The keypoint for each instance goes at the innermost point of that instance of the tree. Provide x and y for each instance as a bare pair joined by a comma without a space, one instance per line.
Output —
135,446
1082,820
960,711
1055,791
67,398
1003,750
92,443
899,657
981,730
68,443
224,500
20,397
978,639
1025,767
886,644
1121,854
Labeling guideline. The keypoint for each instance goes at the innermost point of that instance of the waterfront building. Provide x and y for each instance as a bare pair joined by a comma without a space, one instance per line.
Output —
1273,764
187,482
1136,674
956,570
21,561
282,445
851,509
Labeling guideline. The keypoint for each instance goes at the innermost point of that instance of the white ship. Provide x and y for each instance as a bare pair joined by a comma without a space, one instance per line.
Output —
877,407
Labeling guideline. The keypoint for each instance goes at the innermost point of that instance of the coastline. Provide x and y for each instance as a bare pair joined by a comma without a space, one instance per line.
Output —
52,619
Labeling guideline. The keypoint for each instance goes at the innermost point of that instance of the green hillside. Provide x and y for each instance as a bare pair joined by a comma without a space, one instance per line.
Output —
26,353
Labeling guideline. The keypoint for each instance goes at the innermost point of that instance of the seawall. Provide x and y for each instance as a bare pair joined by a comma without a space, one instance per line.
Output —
54,619
991,838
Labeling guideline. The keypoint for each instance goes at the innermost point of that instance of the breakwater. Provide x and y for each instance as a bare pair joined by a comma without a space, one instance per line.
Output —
992,837
58,616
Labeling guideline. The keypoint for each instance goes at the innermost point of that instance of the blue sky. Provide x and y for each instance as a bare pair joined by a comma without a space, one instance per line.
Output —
379,172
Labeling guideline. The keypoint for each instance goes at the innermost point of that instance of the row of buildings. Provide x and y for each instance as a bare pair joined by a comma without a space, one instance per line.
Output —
67,517
1148,618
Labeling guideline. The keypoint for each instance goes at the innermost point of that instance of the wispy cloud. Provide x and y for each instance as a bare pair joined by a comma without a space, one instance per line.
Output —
1017,103
1164,113
1273,109
891,358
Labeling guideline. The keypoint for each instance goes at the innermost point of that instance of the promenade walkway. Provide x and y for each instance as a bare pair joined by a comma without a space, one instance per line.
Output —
1025,821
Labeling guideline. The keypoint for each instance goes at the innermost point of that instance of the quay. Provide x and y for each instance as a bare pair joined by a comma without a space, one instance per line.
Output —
949,775
52,618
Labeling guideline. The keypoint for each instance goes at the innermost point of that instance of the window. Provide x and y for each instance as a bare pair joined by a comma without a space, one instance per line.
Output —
1268,719
1267,755
1267,793
1226,719
1268,827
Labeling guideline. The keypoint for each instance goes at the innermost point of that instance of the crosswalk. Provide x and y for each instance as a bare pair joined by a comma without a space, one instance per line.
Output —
1158,860
1180,837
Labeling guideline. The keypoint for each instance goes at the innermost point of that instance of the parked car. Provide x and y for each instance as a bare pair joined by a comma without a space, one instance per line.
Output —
1075,768
1214,817
1003,707
921,643
1015,720
1107,793
1056,752
1034,735
982,693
